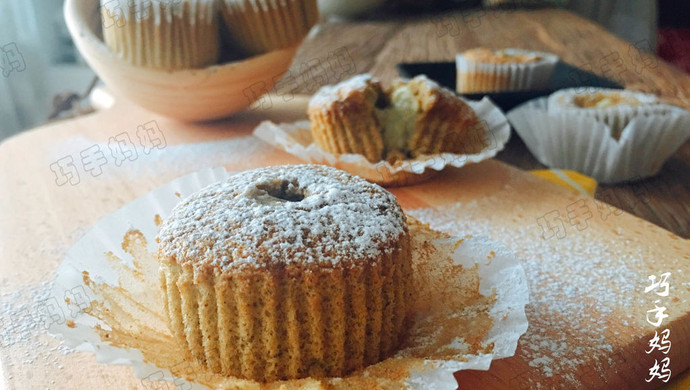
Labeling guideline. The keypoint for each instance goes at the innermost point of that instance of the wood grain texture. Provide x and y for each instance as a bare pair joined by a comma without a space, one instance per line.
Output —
40,220
377,46
43,219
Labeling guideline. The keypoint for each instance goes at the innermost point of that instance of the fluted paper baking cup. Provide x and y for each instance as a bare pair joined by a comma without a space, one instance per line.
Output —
295,138
164,34
616,117
469,310
259,26
583,144
475,76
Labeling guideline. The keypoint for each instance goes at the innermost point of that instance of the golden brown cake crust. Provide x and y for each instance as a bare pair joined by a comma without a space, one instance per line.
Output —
323,291
349,118
278,216
498,56
295,322
446,124
343,118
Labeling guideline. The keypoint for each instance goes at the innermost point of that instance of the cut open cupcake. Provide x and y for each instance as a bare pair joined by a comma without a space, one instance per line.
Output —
409,119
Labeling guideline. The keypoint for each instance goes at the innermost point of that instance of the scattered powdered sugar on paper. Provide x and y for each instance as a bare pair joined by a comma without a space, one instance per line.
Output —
25,315
115,260
572,298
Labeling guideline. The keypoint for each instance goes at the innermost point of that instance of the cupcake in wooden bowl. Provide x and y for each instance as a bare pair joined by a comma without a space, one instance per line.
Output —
166,55
257,26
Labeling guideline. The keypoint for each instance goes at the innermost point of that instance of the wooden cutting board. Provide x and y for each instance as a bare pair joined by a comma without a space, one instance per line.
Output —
588,263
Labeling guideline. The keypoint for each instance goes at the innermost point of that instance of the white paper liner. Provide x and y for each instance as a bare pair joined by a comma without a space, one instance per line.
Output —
295,138
583,144
502,274
489,77
616,117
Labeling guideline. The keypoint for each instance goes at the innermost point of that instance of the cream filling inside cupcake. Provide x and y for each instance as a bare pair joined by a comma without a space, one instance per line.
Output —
398,119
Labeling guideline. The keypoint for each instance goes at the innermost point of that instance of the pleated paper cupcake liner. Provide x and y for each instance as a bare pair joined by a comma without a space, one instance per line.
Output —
260,26
108,285
489,77
164,34
616,117
295,138
584,144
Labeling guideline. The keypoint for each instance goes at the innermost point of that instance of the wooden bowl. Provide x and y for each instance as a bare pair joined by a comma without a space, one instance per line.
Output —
190,95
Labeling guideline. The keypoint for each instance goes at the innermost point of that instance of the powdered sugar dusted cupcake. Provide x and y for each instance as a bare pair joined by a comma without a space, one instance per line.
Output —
260,26
165,34
613,107
485,70
287,272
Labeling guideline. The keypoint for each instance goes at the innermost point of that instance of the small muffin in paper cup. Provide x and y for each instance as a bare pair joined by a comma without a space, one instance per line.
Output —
260,26
614,107
627,137
485,70
468,306
163,34
400,136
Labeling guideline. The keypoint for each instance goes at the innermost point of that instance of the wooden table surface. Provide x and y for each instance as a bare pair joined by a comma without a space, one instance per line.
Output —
338,49
377,46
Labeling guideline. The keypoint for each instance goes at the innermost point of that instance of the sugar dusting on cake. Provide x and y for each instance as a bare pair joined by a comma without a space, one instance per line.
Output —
330,93
291,214
575,321
451,318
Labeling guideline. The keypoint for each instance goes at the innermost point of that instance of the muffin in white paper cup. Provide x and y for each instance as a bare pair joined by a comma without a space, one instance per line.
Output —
614,107
163,34
467,311
296,139
485,70
584,144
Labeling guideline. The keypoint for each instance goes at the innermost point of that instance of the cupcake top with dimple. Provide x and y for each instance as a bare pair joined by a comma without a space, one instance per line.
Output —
504,56
280,216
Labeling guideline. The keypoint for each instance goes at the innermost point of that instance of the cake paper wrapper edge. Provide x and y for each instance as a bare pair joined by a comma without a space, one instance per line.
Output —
285,136
520,76
503,275
583,144
616,117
